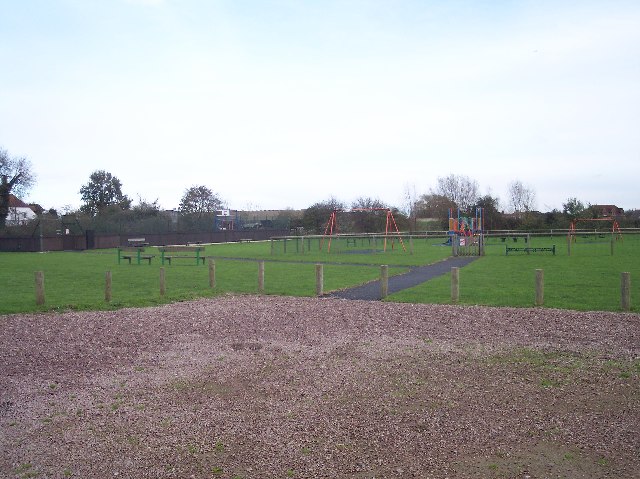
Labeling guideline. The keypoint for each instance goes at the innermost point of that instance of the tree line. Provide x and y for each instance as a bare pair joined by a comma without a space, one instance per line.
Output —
106,207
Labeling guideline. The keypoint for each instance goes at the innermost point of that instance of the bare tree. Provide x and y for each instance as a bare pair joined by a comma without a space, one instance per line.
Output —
410,205
460,189
521,198
16,177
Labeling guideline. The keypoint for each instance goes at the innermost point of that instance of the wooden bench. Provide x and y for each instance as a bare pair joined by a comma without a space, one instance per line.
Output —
182,252
528,250
133,242
134,253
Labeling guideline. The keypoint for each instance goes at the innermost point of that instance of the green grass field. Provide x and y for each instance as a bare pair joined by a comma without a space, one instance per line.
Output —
589,279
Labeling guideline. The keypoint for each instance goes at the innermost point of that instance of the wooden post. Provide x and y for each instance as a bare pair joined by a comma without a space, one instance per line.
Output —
410,244
107,286
611,245
455,284
271,246
384,281
454,245
302,239
39,288
319,280
539,287
261,277
212,273
569,245
625,291
284,243
162,283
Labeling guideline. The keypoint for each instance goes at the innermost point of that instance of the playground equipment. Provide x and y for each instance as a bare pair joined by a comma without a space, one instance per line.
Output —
466,232
598,236
616,232
224,220
466,225
332,227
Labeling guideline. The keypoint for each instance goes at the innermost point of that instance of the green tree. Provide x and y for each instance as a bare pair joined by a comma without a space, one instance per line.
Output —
199,200
493,219
16,177
103,193
435,206
372,218
573,208
316,216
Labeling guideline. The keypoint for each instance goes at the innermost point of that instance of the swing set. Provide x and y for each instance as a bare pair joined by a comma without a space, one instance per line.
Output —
616,232
332,227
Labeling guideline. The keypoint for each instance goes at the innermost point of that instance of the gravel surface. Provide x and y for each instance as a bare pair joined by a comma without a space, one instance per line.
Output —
277,387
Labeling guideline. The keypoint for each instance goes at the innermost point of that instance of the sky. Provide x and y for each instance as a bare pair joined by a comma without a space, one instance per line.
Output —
281,104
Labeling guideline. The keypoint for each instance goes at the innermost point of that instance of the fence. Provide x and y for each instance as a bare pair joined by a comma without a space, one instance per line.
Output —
91,240
625,284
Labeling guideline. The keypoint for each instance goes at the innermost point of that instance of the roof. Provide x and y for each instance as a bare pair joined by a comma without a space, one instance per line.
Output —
15,202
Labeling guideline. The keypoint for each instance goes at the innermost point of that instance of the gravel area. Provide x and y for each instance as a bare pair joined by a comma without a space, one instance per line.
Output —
276,387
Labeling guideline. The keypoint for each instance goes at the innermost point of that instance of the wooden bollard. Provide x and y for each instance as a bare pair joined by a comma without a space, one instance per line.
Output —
163,288
212,273
455,284
39,288
107,286
261,277
625,291
319,280
384,281
539,287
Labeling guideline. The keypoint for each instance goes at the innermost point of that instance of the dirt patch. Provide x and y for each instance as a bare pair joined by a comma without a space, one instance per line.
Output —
262,387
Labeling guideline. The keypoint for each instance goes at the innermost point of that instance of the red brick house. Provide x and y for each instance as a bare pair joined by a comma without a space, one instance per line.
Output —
607,210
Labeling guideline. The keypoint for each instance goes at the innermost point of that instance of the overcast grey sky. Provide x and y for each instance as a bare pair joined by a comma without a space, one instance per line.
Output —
276,104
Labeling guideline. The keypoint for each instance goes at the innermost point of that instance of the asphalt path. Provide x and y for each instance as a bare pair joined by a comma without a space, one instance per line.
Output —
416,276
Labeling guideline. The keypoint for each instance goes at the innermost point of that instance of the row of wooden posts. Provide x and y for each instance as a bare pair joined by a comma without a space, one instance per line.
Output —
625,284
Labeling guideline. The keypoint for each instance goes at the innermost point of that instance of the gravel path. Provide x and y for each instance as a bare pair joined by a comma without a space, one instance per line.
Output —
277,387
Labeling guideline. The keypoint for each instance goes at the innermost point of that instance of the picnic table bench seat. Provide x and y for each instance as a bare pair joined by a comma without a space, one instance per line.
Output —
168,253
134,253
528,250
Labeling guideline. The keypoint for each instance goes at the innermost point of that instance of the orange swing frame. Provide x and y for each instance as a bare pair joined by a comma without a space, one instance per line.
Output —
615,227
332,227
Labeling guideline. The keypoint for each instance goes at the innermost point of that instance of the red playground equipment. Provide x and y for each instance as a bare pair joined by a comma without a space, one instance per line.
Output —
332,227
616,232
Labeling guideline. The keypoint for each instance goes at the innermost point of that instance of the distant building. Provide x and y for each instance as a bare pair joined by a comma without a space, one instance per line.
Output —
20,213
607,210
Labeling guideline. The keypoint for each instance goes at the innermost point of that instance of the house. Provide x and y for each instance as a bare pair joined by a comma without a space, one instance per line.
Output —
607,210
20,213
